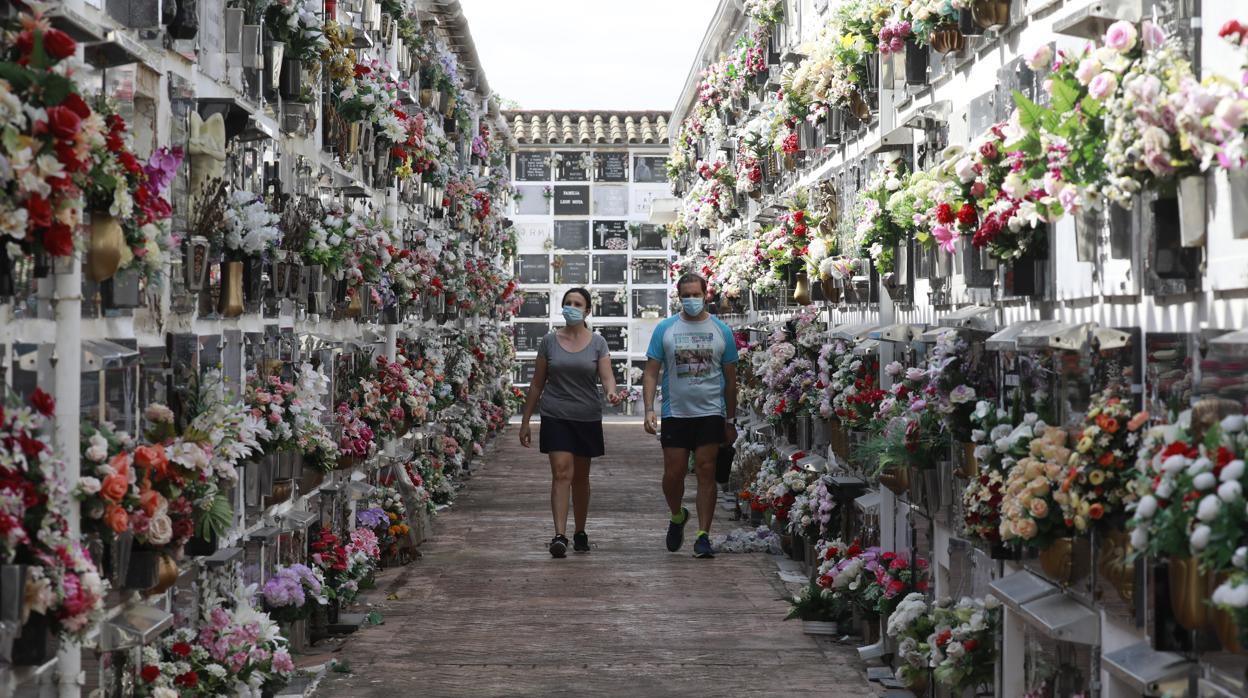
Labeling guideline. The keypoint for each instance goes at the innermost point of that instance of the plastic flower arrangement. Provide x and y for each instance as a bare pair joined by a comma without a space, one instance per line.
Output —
952,366
875,233
926,16
853,387
1102,466
816,603
910,626
999,445
369,95
906,426
955,641
290,593
1010,187
233,649
766,12
357,439
1191,492
250,229
1031,515
297,23
811,513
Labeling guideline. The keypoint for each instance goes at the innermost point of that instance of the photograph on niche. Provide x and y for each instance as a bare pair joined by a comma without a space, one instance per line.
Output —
649,170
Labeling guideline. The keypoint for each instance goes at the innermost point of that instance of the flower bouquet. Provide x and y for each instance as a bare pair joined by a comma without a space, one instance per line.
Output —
1031,514
1102,466
290,594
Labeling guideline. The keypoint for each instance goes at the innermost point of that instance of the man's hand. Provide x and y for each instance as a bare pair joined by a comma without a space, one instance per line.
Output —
652,422
617,397
526,435
730,433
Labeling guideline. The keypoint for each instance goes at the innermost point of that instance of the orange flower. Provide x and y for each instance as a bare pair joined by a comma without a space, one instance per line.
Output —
1107,423
120,464
114,488
1106,459
1096,511
1137,421
153,458
116,518
151,501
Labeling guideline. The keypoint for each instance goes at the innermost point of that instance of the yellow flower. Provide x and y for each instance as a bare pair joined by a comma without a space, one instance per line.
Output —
1096,477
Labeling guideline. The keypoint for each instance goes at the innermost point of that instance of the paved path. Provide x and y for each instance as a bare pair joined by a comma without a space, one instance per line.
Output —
488,612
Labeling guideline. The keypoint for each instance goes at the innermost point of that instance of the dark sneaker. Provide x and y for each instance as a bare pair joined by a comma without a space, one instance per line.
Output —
702,547
676,532
559,546
580,542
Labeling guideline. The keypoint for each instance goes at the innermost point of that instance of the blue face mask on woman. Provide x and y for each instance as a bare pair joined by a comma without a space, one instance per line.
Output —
573,315
691,306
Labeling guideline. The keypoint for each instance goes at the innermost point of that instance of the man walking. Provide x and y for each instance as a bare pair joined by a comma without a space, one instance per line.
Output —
699,359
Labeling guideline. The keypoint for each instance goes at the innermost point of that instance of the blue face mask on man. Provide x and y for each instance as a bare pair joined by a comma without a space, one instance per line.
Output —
573,315
691,306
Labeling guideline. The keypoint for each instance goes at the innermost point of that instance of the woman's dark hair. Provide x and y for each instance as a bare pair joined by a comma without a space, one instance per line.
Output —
589,302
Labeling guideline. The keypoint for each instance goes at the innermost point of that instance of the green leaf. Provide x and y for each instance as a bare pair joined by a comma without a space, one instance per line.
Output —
1030,114
1092,107
55,88
214,521
1065,96
18,76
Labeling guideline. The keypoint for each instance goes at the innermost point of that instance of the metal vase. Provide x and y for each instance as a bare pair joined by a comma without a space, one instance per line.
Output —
1192,201
12,592
291,83
233,37
1088,225
966,23
251,47
916,63
835,126
143,570
195,262
274,53
873,70
805,432
1237,191
991,14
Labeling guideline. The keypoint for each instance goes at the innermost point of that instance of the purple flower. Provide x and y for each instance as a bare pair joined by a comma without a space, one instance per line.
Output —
162,166
371,518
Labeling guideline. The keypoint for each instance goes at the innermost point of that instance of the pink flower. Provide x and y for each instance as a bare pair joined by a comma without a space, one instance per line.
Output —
1103,85
1041,58
946,236
1088,68
1121,36
282,662
1154,36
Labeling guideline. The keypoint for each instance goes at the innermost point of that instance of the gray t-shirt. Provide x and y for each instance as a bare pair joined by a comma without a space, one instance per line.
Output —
571,390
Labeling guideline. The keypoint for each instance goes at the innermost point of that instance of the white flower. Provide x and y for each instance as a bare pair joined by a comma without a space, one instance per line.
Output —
1139,538
88,485
1165,488
163,692
1209,508
1204,481
1232,471
160,529
1233,424
1228,491
1174,464
1231,594
1200,537
1146,507
1199,465
1240,558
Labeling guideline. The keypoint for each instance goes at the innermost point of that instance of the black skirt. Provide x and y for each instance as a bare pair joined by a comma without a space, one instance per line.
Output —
578,438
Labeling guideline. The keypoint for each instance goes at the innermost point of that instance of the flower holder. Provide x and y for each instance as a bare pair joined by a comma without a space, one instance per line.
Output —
38,643
230,300
991,14
1237,191
232,35
966,23
121,291
103,248
1088,225
797,548
290,84
916,63
1190,588
895,479
252,47
274,53
1192,201
143,569
947,38
1066,560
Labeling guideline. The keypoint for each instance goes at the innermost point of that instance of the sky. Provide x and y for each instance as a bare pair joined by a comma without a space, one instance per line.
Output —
588,54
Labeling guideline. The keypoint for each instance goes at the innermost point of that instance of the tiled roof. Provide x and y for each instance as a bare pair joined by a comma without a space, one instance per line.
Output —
586,127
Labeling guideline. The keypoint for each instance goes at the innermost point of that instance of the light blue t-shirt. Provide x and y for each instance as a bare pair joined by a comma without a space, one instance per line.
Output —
693,354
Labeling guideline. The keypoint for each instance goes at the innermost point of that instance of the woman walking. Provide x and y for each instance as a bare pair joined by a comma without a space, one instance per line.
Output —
570,362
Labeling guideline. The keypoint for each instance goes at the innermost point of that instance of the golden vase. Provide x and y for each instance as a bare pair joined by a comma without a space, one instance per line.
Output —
969,467
831,291
166,575
896,479
838,439
947,39
801,289
1227,631
426,98
230,302
1189,587
859,107
1115,566
991,14
448,108
356,306
1056,561
104,249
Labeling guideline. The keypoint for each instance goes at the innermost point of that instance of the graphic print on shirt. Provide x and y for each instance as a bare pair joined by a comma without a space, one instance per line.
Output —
695,355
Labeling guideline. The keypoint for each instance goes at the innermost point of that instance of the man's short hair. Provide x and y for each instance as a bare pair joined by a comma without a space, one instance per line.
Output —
689,278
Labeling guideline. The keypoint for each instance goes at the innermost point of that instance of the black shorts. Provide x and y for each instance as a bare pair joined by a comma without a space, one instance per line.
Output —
691,432
578,438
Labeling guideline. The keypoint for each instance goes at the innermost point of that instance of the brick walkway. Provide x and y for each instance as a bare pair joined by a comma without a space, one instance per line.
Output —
488,612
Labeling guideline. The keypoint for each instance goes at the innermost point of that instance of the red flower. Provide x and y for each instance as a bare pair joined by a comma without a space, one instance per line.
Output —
966,215
970,645
63,122
58,44
58,240
150,673
800,231
190,680
181,649
989,151
77,105
44,403
944,214
798,216
362,70
38,211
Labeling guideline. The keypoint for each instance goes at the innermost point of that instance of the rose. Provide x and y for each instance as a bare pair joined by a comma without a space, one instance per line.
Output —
115,487
159,529
58,240
1103,85
151,501
1039,508
63,123
1026,529
1200,537
116,518
153,458
1208,509
150,673
1154,36
1121,36
1230,491
88,485
1204,481
58,44
1040,58
1146,507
